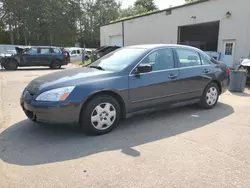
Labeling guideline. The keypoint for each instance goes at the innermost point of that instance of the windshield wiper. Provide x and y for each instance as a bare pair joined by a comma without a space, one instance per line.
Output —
97,67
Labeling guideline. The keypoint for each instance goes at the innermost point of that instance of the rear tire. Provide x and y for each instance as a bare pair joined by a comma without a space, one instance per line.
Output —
11,65
55,64
100,116
86,58
210,96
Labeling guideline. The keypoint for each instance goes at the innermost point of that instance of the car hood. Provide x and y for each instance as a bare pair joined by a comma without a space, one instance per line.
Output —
69,77
5,55
246,62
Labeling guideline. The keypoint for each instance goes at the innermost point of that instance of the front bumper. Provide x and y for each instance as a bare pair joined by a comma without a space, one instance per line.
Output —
51,112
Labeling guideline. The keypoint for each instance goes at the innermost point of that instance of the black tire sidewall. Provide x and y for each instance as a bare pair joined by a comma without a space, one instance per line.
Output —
85,119
14,63
55,64
86,58
203,102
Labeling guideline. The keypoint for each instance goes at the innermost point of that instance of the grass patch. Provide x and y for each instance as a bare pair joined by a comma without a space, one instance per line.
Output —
81,63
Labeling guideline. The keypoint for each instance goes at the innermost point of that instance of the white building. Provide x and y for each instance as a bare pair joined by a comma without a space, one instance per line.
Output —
221,26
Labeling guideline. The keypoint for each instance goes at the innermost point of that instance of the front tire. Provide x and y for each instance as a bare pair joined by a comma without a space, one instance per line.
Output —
101,115
210,96
11,65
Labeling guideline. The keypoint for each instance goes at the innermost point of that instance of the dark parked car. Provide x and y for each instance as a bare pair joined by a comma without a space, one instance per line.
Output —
123,82
102,51
36,56
66,53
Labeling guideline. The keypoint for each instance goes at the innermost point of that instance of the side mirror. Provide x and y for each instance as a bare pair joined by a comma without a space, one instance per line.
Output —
144,68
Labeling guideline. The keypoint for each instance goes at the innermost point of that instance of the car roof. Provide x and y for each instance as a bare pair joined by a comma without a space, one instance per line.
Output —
154,46
42,47
73,47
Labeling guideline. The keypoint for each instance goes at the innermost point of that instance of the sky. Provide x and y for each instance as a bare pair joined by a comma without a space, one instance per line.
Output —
162,4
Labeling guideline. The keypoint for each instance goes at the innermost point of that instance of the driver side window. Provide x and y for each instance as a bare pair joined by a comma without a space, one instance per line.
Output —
32,51
162,59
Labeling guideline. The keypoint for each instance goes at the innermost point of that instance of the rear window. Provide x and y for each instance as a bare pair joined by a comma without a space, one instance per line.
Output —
56,50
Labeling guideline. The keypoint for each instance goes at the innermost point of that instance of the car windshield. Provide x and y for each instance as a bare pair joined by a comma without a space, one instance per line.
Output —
119,59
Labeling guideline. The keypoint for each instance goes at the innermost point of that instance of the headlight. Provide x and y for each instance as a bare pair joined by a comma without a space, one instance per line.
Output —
59,94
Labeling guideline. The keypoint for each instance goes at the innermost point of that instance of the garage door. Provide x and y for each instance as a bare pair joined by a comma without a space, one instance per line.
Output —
116,40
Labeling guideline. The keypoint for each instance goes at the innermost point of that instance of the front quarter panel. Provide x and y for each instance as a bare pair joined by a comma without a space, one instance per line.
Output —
116,84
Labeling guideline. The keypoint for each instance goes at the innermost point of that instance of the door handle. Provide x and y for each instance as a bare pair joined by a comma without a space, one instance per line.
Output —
206,70
172,76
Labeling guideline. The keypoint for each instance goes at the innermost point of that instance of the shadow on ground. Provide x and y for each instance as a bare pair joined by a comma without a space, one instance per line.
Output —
30,69
245,93
28,144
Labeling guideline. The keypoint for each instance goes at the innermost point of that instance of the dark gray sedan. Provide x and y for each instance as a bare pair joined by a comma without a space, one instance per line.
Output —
125,81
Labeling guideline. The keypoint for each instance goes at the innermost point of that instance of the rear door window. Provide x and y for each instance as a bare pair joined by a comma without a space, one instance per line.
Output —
45,51
205,60
188,58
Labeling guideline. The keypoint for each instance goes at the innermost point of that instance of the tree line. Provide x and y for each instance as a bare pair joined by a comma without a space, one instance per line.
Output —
62,22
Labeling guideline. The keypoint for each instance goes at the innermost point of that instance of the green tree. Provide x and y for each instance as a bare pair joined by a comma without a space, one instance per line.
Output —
149,5
139,7
41,22
132,11
56,22
95,14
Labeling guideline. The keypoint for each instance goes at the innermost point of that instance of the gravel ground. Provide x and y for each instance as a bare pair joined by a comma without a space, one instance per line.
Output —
183,147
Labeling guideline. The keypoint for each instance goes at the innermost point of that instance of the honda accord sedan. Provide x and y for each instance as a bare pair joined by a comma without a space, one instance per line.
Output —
125,81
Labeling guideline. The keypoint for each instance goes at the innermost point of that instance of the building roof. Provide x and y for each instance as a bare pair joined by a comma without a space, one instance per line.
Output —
158,11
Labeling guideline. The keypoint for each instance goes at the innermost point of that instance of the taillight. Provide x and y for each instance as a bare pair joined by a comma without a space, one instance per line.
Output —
228,71
66,54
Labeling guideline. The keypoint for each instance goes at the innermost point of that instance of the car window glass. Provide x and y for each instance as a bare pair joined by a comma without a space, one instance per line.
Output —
73,52
188,58
87,52
56,50
160,59
119,59
205,60
45,51
78,52
32,51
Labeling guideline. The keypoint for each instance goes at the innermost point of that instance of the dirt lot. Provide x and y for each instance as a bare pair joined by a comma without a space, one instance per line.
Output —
184,147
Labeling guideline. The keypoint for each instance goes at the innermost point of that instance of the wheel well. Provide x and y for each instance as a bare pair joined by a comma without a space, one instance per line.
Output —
117,97
12,59
56,60
218,84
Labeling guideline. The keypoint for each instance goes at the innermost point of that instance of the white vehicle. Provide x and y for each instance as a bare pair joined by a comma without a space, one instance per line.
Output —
76,53
8,53
245,64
